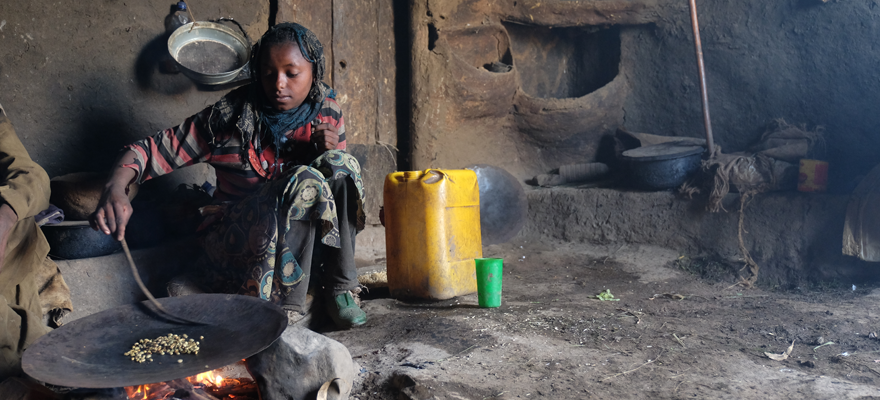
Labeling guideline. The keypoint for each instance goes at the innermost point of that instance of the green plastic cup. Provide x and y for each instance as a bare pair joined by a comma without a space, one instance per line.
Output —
489,281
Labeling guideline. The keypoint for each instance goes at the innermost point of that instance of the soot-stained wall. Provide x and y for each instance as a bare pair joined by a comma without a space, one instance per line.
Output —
806,61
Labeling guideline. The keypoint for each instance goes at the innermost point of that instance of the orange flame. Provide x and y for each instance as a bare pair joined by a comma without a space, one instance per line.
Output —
140,392
205,380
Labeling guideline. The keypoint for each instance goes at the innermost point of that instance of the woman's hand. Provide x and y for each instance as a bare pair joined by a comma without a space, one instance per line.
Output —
325,137
113,213
114,208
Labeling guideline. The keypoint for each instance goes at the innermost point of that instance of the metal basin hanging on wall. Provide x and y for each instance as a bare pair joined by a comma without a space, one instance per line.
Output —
209,53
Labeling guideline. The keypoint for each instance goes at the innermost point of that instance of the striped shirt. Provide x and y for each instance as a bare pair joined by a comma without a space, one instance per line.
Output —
194,141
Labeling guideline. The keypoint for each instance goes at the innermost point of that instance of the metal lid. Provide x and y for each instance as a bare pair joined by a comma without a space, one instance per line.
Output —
663,151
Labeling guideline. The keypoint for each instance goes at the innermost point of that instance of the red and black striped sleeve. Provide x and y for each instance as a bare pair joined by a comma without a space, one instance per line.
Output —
172,148
331,113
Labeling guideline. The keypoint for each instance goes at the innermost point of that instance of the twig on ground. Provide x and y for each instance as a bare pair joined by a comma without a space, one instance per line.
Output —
676,386
681,374
627,372
872,370
673,296
743,297
679,340
632,370
823,344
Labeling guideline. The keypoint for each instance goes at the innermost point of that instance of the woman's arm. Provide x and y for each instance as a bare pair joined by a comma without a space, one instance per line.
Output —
114,208
154,156
174,148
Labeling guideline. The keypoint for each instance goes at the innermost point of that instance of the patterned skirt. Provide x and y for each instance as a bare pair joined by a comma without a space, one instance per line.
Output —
246,251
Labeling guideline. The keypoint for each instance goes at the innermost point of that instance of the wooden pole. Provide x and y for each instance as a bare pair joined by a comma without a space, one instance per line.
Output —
704,95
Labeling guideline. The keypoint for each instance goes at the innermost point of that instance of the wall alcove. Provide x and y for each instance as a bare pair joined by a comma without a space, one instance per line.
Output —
484,47
564,62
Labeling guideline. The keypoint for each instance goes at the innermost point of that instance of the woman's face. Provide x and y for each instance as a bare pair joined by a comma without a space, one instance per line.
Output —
286,76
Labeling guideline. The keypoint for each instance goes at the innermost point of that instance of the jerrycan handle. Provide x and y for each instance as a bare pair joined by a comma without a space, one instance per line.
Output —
431,176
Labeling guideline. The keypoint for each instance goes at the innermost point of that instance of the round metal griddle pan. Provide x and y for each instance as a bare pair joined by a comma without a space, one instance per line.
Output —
89,352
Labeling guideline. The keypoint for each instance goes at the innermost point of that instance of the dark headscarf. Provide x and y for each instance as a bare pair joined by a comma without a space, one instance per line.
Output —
275,122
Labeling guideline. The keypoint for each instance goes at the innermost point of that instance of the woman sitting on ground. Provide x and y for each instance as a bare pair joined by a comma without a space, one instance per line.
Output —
288,196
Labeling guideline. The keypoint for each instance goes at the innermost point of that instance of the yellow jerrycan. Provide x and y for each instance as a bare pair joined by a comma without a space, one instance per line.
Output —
432,233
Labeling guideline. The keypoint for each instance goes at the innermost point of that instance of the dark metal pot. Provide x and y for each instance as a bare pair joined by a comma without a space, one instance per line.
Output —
662,166
72,240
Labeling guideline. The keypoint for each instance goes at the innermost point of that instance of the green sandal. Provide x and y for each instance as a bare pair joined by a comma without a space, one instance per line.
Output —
345,312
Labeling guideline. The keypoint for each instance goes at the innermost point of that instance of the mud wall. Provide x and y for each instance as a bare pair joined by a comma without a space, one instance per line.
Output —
524,85
807,61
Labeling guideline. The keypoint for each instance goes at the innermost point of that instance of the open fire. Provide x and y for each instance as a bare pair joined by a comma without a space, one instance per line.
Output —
210,385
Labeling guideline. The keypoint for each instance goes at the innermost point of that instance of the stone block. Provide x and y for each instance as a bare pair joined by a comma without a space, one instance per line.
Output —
298,363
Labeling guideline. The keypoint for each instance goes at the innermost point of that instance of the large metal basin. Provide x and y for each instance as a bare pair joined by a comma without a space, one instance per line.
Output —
209,53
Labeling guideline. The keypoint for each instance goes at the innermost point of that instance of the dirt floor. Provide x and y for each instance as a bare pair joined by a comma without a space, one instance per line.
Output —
679,330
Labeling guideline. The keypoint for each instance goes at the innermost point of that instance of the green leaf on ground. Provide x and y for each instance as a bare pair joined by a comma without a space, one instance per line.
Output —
606,296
